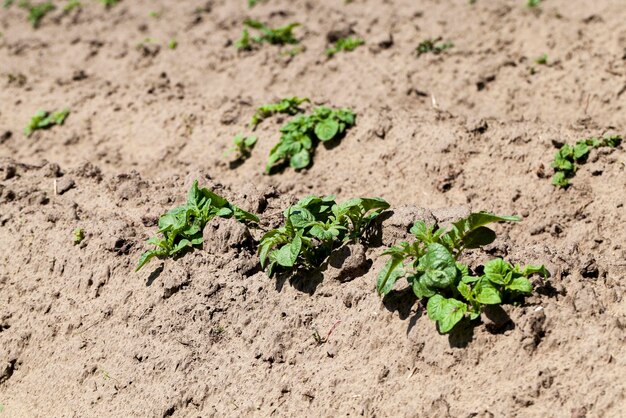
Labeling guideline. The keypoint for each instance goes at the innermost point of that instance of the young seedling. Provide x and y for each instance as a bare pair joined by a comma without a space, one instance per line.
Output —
431,266
434,46
279,36
181,228
289,106
313,228
242,145
109,3
301,135
172,44
533,3
79,235
568,156
319,340
45,120
71,5
252,3
344,44
542,60
36,12
292,52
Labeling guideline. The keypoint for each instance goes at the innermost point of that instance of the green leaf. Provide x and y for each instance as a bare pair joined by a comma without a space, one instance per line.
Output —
288,253
465,290
326,129
224,213
447,312
300,160
521,285
182,245
560,179
612,141
479,237
241,215
498,271
270,240
486,293
561,163
530,269
420,290
389,275
145,258
581,150
194,196
463,231
438,267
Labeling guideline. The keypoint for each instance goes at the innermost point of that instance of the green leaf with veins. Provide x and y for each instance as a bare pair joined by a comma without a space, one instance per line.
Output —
389,275
447,312
437,267
520,284
486,293
498,271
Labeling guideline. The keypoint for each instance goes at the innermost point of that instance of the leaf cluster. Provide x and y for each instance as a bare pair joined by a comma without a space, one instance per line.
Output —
434,46
181,228
109,3
288,105
279,36
568,156
344,44
252,3
43,120
301,135
313,228
79,235
36,12
242,145
433,271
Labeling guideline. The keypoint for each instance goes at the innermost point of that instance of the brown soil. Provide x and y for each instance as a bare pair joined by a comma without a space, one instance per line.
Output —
82,335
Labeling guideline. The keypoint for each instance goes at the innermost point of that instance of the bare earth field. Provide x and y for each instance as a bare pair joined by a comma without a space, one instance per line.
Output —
210,334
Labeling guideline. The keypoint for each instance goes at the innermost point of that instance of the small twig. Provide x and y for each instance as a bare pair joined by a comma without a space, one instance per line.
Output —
89,326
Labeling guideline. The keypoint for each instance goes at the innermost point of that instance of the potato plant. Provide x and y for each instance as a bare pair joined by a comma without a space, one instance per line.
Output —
301,135
452,289
181,228
242,146
313,228
288,106
36,12
44,120
433,46
279,36
344,44
568,156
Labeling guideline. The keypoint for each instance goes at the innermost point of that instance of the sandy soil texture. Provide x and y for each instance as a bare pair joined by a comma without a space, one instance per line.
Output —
210,335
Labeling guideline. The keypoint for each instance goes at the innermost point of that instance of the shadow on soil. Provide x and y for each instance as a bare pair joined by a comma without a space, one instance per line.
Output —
402,301
154,275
